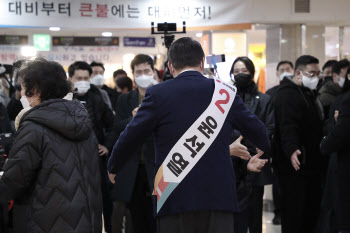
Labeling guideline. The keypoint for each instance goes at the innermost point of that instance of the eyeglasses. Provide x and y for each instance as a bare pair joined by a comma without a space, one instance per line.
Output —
312,73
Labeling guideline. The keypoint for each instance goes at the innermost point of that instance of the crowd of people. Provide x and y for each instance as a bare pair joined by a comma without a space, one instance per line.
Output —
74,150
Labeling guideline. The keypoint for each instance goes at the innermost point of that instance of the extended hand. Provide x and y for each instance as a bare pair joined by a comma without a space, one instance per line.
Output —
102,150
294,159
111,177
336,114
135,111
239,150
255,164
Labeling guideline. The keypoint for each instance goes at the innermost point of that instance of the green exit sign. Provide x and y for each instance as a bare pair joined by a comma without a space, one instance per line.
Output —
42,42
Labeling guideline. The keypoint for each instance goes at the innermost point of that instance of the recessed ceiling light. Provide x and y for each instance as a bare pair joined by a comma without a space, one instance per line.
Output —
107,34
55,29
28,51
199,34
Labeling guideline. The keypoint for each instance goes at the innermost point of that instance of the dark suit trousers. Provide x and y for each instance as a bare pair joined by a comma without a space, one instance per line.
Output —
300,203
140,205
107,202
255,209
193,222
241,221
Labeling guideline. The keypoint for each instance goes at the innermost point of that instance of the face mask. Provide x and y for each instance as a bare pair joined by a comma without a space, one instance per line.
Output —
81,87
98,80
25,103
341,82
145,81
310,83
328,78
243,80
284,74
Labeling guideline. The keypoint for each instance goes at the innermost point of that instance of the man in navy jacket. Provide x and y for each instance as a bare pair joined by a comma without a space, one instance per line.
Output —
206,199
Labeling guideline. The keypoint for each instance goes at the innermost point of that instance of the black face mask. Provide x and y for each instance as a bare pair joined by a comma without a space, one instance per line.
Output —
328,78
243,80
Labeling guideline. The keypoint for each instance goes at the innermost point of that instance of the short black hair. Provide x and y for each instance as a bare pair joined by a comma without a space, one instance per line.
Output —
185,52
79,65
284,62
336,68
97,64
248,64
305,60
118,72
47,77
140,59
123,82
329,63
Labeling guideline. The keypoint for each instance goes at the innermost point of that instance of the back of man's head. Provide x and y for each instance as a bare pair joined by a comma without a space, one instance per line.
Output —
78,65
141,59
124,82
185,52
305,60
338,66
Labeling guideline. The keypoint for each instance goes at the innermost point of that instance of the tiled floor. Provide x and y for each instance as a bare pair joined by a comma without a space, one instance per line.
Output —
268,227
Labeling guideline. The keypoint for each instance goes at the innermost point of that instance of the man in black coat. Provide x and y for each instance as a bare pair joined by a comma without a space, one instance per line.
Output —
97,78
298,122
101,117
331,89
284,68
134,184
337,141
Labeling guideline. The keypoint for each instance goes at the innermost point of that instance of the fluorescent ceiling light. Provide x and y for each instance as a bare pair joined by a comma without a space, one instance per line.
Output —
107,34
55,29
28,51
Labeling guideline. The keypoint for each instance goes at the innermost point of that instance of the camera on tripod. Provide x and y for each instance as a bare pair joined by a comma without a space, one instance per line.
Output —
167,29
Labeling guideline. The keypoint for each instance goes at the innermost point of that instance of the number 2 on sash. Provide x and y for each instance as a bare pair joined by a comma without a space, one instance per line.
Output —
225,101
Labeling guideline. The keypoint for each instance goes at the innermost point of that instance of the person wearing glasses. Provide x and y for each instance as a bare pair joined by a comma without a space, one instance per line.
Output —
298,129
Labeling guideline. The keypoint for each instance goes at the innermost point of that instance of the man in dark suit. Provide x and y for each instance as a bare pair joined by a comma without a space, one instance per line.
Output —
205,200
134,185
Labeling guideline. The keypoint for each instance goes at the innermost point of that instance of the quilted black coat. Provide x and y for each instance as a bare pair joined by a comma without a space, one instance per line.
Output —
53,172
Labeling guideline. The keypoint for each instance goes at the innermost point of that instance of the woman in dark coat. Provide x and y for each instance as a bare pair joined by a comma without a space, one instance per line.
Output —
52,173
242,73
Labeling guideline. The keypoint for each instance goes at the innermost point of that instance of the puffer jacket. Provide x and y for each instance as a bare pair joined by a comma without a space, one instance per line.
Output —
53,172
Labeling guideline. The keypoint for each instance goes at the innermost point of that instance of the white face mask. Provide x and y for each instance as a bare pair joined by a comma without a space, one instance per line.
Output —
341,82
25,103
98,80
145,81
81,87
310,83
284,74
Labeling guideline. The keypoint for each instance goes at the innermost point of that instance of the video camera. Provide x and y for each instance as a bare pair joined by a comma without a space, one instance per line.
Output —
168,29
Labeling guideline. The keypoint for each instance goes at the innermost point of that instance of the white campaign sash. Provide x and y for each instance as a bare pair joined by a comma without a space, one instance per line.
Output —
194,143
